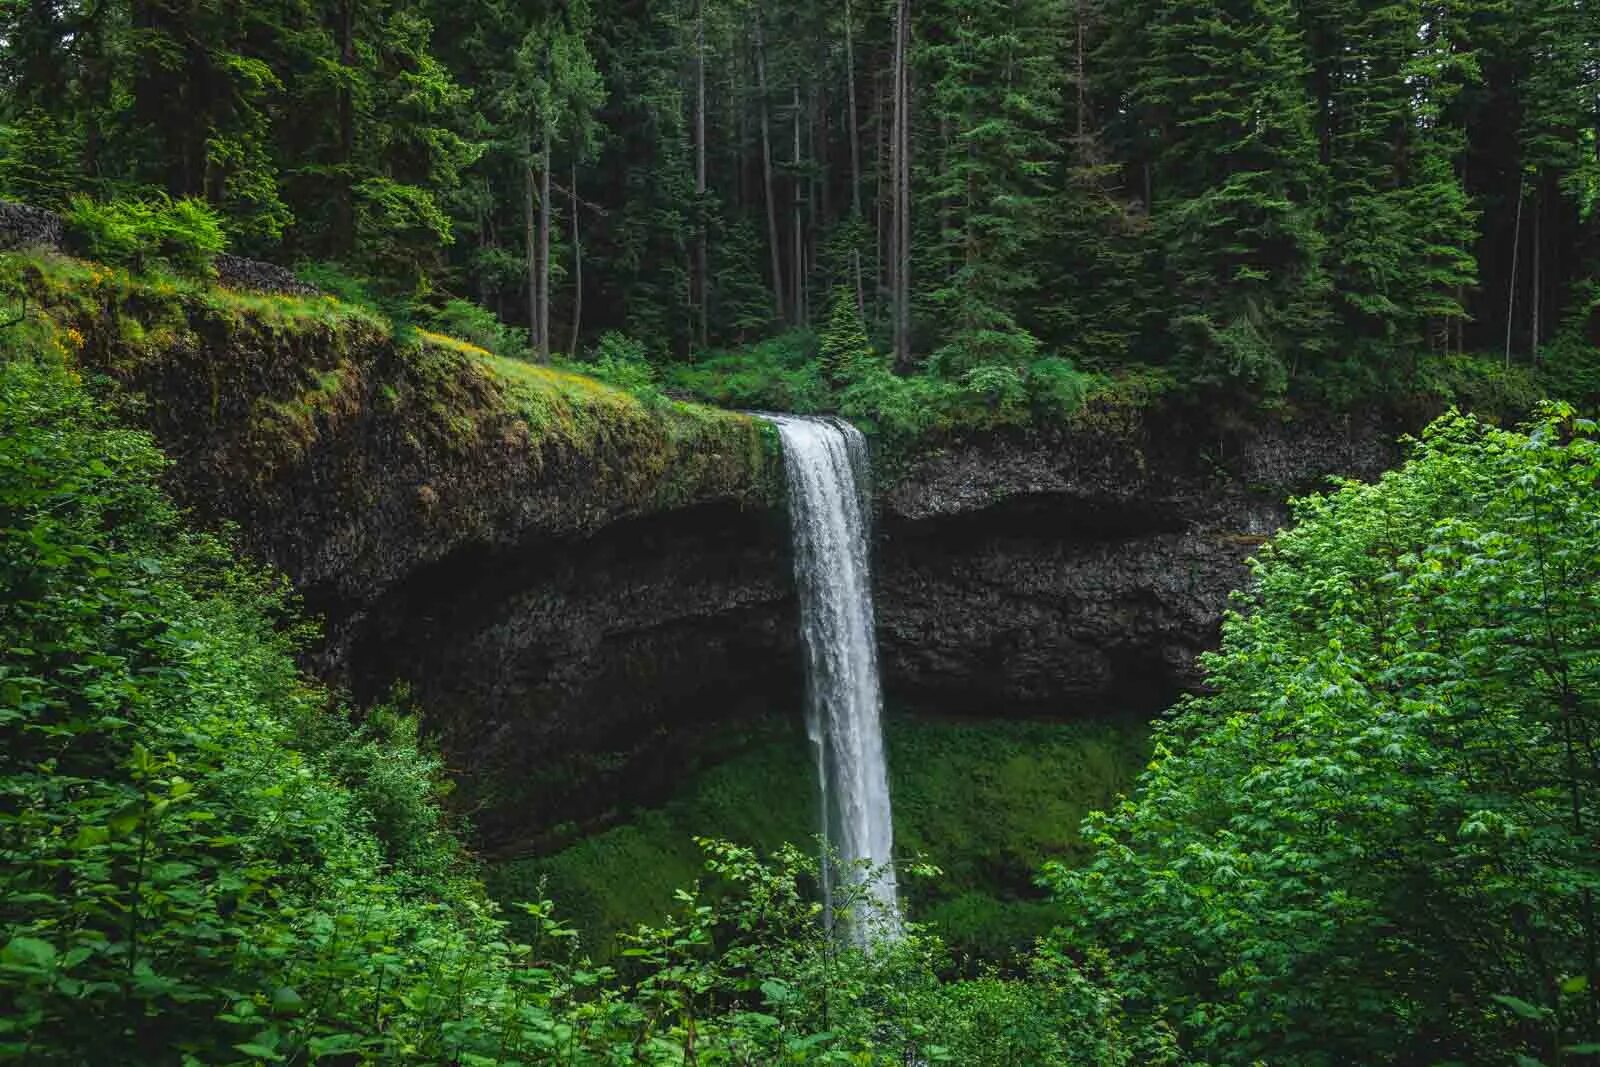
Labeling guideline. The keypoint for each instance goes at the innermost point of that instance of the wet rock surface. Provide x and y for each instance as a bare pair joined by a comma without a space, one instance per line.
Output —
578,675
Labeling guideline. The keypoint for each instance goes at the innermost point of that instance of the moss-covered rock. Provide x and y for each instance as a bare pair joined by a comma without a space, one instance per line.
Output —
377,466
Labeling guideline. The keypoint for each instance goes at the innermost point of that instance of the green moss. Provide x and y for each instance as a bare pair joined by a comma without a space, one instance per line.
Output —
295,370
986,802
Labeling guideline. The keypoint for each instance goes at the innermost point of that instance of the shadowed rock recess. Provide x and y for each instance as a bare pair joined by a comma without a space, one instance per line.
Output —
586,593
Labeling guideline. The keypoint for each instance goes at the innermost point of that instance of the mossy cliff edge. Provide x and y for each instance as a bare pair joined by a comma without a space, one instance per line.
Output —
368,465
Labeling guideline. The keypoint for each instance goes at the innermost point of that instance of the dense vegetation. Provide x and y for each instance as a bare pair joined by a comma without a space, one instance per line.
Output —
966,209
986,802
1373,842
1377,841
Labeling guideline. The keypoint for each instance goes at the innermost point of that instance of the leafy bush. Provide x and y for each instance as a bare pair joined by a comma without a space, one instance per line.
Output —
184,235
478,325
1057,389
900,407
619,360
336,281
1480,382
779,374
1375,841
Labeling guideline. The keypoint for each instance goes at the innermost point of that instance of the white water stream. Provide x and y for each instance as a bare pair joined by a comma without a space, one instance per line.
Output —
826,464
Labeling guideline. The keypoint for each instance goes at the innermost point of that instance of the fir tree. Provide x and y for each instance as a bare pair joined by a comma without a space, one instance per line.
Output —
1235,184
993,87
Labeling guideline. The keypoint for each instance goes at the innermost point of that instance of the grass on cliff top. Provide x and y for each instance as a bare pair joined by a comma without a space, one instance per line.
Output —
63,283
450,394
988,802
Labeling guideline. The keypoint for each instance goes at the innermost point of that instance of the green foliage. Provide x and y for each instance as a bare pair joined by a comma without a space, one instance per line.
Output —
994,85
1238,171
1482,383
1374,840
844,374
182,235
184,865
987,804
1271,197
618,360
844,346
780,374
479,326
38,159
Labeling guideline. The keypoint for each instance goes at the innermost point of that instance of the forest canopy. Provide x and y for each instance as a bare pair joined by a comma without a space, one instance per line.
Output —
1259,195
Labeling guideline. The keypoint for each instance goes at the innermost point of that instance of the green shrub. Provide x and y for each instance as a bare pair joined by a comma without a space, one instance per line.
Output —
1056,389
478,325
333,279
778,374
1570,367
899,407
1481,382
1375,840
182,235
619,360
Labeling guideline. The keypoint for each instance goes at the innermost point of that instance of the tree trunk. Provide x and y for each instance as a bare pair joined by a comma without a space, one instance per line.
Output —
1538,296
854,133
544,248
902,181
577,270
881,225
799,251
766,169
530,242
1511,288
701,256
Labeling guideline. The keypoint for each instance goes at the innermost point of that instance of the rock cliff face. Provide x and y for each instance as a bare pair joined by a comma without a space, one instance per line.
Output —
1085,572
1075,574
584,594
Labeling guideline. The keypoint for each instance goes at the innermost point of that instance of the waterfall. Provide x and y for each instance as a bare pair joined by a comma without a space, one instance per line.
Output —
826,465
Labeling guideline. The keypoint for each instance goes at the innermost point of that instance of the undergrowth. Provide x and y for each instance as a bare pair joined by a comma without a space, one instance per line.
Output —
987,803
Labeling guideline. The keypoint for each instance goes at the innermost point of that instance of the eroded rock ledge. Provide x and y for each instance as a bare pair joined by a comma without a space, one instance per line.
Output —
1086,571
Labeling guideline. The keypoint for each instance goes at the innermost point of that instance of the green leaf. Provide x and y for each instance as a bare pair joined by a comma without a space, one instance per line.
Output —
28,952
1521,1007
285,1001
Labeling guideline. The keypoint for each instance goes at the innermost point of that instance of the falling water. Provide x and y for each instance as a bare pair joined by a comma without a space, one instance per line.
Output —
825,460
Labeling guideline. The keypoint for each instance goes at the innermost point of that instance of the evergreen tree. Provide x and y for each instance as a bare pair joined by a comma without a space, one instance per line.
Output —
844,342
1235,184
992,86
1399,222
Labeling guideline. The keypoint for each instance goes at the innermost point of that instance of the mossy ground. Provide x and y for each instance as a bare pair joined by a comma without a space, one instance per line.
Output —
986,801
